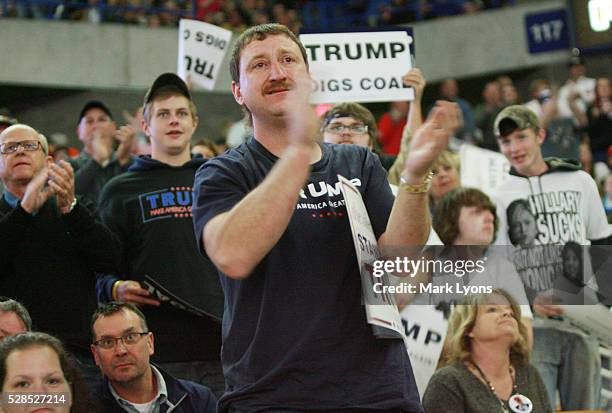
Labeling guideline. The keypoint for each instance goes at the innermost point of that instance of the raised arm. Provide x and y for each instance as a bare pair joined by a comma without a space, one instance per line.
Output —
410,220
98,246
14,222
238,239
415,79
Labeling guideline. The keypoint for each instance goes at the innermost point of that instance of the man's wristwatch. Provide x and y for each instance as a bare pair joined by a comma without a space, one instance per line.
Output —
416,189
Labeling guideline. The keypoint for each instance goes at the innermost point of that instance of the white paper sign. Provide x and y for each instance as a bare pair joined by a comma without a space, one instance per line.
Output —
359,67
381,310
425,328
482,169
201,49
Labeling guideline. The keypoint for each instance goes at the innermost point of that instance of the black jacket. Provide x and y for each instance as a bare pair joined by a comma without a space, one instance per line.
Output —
48,260
90,177
183,397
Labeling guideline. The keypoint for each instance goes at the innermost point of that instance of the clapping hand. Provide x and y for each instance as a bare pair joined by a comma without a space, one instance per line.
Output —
36,193
431,139
61,180
125,135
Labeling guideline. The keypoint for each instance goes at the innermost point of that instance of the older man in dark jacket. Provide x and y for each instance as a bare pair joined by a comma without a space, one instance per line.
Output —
51,242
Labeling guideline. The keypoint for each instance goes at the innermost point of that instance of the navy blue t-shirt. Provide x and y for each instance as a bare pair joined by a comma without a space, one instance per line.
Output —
295,334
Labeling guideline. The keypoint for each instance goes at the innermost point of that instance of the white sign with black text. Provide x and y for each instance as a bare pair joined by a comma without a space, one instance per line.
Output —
380,307
482,169
201,49
425,329
359,67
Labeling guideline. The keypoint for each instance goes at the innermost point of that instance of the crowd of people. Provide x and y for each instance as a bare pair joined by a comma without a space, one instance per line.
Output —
172,281
576,117
237,15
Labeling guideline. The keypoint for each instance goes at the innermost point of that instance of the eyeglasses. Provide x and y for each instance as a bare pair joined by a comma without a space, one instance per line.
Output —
338,128
11,147
128,339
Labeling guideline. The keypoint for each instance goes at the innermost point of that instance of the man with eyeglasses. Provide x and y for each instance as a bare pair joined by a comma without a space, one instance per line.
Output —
349,123
352,123
122,347
50,241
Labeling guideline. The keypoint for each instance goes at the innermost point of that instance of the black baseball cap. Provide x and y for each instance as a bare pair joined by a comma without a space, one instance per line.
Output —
575,61
167,80
6,118
97,105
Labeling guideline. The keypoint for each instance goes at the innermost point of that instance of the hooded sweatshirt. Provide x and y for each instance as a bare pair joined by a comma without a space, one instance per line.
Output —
540,214
149,207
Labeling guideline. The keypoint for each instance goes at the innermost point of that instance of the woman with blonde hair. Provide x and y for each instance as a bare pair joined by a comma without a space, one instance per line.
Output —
487,367
446,176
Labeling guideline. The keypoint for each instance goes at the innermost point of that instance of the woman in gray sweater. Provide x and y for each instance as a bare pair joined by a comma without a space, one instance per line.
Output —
487,368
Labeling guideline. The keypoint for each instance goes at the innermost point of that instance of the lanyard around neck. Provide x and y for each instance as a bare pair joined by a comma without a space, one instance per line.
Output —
492,388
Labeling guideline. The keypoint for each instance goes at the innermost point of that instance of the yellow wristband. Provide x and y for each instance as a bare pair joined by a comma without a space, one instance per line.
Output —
114,291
